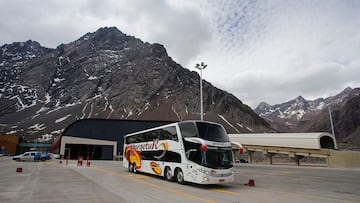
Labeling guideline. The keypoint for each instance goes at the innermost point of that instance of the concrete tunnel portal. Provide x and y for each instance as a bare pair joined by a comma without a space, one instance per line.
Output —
296,145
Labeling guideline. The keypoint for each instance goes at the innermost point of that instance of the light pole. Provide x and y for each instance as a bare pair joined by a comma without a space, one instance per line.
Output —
201,67
331,122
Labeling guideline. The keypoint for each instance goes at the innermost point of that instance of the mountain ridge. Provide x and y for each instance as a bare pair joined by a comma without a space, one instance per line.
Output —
107,74
301,115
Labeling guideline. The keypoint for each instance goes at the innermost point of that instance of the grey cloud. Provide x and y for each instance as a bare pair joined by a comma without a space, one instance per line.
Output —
287,49
182,30
258,50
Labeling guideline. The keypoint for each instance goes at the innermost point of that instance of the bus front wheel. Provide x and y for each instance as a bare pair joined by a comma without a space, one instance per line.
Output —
180,176
168,175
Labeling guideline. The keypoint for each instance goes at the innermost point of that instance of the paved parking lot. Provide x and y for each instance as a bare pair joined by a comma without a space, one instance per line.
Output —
107,181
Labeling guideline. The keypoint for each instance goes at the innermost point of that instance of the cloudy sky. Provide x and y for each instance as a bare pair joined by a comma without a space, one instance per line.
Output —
269,50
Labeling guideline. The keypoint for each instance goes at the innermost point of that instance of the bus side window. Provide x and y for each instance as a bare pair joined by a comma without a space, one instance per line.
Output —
161,134
170,133
148,137
130,140
140,138
188,129
154,135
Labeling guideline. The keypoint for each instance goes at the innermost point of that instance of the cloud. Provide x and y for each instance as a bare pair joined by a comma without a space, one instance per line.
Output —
274,51
180,28
259,51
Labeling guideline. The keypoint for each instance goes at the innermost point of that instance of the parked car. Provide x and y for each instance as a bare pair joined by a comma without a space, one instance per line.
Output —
241,161
44,156
32,156
4,153
54,156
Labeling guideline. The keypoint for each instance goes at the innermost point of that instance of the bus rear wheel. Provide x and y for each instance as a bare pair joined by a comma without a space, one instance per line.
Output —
180,176
131,167
134,168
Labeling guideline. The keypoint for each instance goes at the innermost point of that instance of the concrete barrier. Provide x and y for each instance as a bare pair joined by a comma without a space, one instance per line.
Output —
344,159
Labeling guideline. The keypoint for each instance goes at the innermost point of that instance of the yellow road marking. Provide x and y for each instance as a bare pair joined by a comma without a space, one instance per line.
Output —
134,178
139,176
225,191
154,185
49,163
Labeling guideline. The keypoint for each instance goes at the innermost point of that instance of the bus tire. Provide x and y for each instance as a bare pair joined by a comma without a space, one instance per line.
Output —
167,174
131,167
180,176
134,168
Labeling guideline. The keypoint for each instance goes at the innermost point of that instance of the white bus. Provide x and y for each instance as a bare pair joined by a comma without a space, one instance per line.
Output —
187,151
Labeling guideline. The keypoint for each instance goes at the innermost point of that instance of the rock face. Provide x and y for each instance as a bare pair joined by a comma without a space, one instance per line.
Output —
106,74
300,115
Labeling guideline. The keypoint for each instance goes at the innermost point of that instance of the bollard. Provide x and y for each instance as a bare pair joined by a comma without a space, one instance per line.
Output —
80,160
88,163
251,183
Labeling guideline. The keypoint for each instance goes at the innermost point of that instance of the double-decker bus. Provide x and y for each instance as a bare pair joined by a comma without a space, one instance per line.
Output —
187,151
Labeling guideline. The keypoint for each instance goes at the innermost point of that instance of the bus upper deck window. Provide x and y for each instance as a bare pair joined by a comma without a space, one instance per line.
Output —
188,129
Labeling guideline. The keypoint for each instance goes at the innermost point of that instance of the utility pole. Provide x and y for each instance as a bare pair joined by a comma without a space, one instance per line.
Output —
331,122
201,67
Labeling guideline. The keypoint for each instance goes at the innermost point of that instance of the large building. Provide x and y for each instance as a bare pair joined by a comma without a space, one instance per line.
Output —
8,144
98,139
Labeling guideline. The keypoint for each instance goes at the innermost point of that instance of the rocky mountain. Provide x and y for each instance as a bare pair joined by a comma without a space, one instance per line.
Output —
106,74
301,115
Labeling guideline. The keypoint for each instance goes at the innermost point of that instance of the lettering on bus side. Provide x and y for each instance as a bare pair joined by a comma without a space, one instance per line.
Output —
146,146
156,150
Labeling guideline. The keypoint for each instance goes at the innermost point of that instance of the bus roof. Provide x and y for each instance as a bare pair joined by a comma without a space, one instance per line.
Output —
171,124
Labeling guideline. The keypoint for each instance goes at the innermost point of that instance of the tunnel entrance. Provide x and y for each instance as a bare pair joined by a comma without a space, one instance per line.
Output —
327,142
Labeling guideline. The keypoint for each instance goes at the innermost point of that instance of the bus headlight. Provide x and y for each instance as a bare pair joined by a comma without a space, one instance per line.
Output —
206,179
204,172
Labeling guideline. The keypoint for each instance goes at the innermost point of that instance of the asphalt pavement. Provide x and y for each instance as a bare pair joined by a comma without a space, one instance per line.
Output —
108,181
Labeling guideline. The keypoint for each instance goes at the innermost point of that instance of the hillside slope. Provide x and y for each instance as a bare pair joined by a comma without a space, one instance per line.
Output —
301,115
106,74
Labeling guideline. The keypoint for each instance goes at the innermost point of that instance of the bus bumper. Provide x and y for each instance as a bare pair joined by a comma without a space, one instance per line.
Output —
217,180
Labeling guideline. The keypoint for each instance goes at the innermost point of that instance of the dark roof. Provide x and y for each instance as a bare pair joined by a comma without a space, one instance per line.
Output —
106,129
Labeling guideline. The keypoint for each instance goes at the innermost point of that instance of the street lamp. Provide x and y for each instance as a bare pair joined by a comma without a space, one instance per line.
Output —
201,67
331,122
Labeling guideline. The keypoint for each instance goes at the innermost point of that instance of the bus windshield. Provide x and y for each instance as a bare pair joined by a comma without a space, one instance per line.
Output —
213,157
217,158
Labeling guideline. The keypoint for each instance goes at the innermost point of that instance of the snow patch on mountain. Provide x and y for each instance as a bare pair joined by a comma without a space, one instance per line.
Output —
320,106
63,118
59,79
249,129
223,118
176,113
37,127
93,78
45,138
